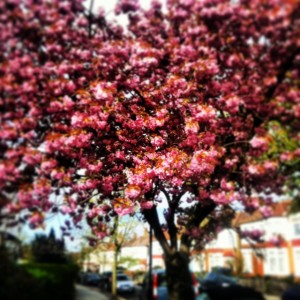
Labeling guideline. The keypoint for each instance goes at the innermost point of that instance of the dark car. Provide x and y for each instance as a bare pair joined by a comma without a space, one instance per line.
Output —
216,285
217,278
92,279
106,280
160,288
291,293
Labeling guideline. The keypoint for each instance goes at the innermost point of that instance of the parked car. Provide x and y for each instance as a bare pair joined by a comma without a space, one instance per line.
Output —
80,277
217,285
90,278
105,280
160,288
217,278
291,293
124,284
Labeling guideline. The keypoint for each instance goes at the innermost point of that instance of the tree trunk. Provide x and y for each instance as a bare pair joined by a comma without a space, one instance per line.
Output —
180,283
114,275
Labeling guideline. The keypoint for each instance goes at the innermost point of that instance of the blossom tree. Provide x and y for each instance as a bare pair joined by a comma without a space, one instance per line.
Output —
196,106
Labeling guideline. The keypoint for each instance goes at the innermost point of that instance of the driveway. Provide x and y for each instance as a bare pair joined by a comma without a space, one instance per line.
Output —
85,293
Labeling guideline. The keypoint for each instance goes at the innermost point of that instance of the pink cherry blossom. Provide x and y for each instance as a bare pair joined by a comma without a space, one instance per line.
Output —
100,118
266,211
132,191
259,142
146,204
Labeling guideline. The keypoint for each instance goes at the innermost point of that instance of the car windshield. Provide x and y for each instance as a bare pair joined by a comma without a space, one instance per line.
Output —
122,278
96,276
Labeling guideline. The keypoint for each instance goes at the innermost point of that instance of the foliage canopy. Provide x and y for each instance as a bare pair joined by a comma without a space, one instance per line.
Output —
199,103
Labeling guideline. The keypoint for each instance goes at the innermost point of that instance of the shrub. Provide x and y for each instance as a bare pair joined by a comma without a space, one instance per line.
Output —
56,281
36,281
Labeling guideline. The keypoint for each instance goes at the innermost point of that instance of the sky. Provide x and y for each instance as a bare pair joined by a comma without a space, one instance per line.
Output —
110,5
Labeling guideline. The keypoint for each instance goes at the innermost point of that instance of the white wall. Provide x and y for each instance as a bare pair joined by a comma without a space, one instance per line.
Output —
226,239
247,260
138,252
215,260
198,263
156,248
272,227
296,255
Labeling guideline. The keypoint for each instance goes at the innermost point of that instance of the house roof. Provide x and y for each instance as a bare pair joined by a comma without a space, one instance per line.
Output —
138,241
280,209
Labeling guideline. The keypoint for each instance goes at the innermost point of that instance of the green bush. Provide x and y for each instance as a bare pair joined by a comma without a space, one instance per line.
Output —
56,281
35,281
15,283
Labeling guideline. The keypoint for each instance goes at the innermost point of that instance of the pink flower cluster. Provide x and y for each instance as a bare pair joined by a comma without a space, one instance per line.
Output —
255,235
204,162
123,206
182,99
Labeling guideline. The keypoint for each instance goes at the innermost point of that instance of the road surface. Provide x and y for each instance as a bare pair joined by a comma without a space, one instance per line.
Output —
269,297
85,293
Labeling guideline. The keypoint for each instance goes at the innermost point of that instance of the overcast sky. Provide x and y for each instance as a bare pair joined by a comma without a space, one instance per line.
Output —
110,5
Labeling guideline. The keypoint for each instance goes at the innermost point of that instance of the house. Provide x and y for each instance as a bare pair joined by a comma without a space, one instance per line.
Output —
101,260
278,254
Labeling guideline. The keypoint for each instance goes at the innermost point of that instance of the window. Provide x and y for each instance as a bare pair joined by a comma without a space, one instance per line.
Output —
297,229
276,262
122,278
297,261
216,260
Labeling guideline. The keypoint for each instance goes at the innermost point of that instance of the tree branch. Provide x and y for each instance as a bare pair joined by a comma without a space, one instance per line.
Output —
172,229
285,67
152,218
201,212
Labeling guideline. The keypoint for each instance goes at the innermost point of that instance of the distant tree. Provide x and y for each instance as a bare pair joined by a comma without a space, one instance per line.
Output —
128,262
48,249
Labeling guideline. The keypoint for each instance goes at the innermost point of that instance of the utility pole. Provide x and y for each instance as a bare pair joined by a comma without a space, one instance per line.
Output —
150,280
115,260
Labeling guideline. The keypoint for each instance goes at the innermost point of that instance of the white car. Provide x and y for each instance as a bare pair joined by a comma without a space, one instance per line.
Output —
124,284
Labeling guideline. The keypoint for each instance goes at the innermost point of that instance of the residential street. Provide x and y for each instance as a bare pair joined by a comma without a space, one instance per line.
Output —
86,293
